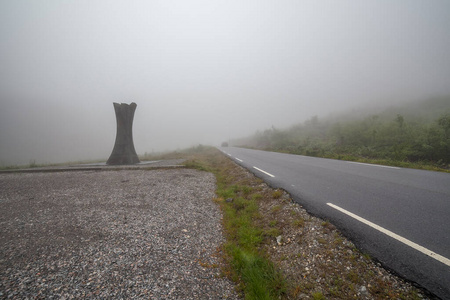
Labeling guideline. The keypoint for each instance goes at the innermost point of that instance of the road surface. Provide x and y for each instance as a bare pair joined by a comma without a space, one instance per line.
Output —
400,216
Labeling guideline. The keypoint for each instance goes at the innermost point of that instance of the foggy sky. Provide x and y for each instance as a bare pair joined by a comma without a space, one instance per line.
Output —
203,71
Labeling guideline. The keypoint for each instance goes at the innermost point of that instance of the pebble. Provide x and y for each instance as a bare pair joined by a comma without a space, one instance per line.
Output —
111,234
363,290
279,240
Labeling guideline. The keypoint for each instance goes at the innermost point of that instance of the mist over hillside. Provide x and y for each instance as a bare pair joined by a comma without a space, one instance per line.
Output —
203,71
414,131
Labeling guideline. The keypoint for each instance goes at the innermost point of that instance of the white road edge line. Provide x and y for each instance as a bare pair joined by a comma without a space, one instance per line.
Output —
264,172
424,250
239,159
373,165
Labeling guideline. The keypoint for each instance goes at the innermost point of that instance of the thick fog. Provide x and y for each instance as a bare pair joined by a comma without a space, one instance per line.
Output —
203,71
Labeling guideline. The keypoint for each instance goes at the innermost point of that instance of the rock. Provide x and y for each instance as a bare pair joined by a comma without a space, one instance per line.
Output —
363,290
279,240
229,200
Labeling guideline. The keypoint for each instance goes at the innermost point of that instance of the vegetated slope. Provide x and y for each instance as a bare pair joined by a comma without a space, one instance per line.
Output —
414,132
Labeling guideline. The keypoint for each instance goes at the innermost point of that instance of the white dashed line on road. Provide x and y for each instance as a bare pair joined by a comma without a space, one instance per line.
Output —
399,238
264,172
239,159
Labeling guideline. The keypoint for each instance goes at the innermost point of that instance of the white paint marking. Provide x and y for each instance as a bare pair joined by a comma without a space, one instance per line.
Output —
381,166
239,159
264,172
229,154
424,250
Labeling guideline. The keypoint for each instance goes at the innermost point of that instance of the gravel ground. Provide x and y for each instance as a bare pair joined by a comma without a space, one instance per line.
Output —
111,234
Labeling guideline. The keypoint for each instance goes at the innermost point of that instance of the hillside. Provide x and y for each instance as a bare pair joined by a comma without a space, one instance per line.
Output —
417,132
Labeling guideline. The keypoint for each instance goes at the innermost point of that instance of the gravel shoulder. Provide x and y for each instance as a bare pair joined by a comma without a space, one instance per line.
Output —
153,234
316,260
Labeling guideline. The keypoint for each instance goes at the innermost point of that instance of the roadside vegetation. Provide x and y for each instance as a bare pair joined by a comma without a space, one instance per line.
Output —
33,164
416,135
275,250
247,262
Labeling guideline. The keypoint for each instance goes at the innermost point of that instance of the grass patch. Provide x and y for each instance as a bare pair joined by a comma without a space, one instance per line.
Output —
276,208
251,268
318,296
298,222
33,164
272,232
277,194
256,196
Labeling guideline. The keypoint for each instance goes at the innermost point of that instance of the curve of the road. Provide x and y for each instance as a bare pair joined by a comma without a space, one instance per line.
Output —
400,216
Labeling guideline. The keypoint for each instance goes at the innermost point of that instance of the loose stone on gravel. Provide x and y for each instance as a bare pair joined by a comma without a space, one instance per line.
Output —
111,234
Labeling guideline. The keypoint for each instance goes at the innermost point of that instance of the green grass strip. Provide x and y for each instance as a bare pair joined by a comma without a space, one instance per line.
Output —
251,269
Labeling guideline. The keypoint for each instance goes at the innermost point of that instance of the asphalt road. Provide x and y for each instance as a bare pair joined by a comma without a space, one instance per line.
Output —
400,216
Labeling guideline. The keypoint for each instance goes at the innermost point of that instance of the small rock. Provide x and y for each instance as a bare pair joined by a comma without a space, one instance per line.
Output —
279,240
229,200
363,290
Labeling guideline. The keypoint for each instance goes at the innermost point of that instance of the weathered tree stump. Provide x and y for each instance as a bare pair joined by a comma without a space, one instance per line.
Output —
123,152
